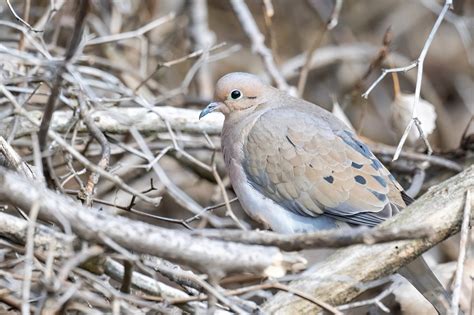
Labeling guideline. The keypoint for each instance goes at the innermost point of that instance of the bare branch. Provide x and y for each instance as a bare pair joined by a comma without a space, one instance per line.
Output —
335,238
463,243
119,120
258,42
25,23
418,63
117,180
105,151
209,255
132,34
13,160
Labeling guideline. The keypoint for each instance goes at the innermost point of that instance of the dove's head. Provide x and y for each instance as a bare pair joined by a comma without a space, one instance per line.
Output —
237,92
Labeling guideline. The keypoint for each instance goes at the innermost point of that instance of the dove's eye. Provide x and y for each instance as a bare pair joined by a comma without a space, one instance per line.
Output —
235,94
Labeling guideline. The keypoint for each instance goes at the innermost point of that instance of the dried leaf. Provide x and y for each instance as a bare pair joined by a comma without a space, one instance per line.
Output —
401,110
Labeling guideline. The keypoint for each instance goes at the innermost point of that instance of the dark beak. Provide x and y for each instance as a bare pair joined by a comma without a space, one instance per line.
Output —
209,109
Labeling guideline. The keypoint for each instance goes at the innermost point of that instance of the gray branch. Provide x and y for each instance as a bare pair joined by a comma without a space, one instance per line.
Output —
120,120
211,256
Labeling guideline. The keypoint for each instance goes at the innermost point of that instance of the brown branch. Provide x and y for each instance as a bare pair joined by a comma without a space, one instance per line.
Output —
440,209
127,276
83,8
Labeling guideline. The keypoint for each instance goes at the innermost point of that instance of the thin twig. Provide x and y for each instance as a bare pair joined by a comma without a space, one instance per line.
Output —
307,297
132,34
334,19
376,300
89,165
258,42
463,243
329,25
206,286
56,89
228,207
383,149
26,285
174,62
418,63
105,151
25,23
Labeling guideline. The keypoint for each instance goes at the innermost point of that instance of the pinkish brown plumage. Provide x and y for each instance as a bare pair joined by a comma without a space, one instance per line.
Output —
295,167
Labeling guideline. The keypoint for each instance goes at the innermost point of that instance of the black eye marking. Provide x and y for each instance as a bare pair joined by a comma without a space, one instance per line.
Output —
329,179
360,179
251,97
235,94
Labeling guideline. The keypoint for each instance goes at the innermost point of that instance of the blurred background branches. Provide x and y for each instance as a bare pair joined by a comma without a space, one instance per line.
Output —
99,103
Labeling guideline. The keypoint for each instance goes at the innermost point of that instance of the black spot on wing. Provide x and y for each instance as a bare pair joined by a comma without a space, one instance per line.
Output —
356,165
381,197
360,179
329,179
380,180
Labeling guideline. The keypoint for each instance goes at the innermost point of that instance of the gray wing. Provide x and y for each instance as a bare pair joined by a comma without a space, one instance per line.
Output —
312,166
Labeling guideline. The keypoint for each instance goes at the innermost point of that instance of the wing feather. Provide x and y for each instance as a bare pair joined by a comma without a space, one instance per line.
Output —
301,161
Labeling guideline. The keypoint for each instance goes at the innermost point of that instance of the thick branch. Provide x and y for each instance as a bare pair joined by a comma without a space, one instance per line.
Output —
211,256
440,209
10,159
119,121
14,229
331,238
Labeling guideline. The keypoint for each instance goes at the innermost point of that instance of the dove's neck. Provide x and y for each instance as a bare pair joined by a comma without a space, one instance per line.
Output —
234,132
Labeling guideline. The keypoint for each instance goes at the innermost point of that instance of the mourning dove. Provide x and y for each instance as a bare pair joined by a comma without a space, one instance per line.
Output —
295,167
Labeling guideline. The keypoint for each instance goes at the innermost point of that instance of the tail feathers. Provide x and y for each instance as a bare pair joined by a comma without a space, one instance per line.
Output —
424,280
